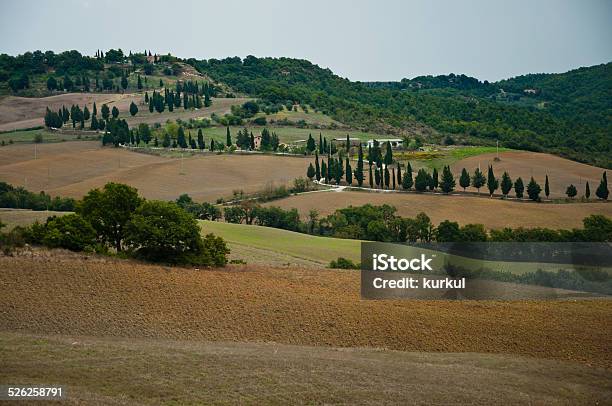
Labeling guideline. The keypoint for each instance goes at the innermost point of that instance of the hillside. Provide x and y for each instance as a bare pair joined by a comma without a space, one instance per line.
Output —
565,114
44,293
477,117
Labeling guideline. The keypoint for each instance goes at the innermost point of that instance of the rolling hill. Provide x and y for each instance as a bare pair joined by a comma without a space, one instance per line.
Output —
565,114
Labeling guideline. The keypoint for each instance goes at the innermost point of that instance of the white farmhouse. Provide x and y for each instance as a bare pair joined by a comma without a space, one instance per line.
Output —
395,142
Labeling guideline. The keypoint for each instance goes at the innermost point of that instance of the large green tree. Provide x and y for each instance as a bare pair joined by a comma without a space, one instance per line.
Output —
109,210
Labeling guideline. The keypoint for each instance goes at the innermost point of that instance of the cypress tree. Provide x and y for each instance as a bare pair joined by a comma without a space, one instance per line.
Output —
602,191
105,112
212,144
377,176
139,84
349,172
310,172
571,191
133,109
393,178
339,170
533,190
506,184
399,174
86,114
434,179
201,144
348,144
547,187
407,181
180,139
329,169
388,154
387,177
587,192
371,178
492,182
228,137
448,180
464,179
317,167
252,142
95,109
324,170
359,170
422,180
310,144
519,188
478,180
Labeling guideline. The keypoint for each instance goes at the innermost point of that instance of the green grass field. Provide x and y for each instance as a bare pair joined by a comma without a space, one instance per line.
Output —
289,134
272,242
28,136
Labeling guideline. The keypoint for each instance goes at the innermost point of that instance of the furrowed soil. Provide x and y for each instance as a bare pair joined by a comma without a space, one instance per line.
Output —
71,169
46,292
561,172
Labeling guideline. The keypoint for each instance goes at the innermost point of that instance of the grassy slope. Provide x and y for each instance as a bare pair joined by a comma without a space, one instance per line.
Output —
272,242
121,371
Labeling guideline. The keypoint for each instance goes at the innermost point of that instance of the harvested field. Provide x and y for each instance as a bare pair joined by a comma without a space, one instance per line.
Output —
493,213
53,293
17,217
561,172
117,371
27,112
73,168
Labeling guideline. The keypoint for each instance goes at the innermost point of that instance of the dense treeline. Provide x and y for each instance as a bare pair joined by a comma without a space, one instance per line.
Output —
285,80
20,198
380,223
117,218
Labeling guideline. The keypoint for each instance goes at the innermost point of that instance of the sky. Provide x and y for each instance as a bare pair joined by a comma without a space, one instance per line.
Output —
361,40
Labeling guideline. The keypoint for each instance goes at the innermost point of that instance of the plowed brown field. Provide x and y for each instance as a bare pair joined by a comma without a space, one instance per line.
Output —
561,172
465,209
49,292
73,168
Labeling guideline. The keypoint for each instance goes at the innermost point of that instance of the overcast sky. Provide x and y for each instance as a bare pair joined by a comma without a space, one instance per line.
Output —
361,40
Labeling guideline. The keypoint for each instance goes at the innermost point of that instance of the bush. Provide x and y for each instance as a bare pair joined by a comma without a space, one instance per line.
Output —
71,231
11,240
343,263
163,232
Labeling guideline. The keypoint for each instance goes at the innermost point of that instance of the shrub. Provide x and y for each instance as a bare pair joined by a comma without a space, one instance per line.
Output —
71,231
343,263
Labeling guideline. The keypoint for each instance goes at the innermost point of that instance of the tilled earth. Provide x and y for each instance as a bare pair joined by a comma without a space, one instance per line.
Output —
64,293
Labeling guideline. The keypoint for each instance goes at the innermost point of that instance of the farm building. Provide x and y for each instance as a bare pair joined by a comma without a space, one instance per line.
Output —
395,142
354,141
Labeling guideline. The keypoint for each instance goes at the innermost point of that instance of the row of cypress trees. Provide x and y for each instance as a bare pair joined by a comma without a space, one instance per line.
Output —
384,173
